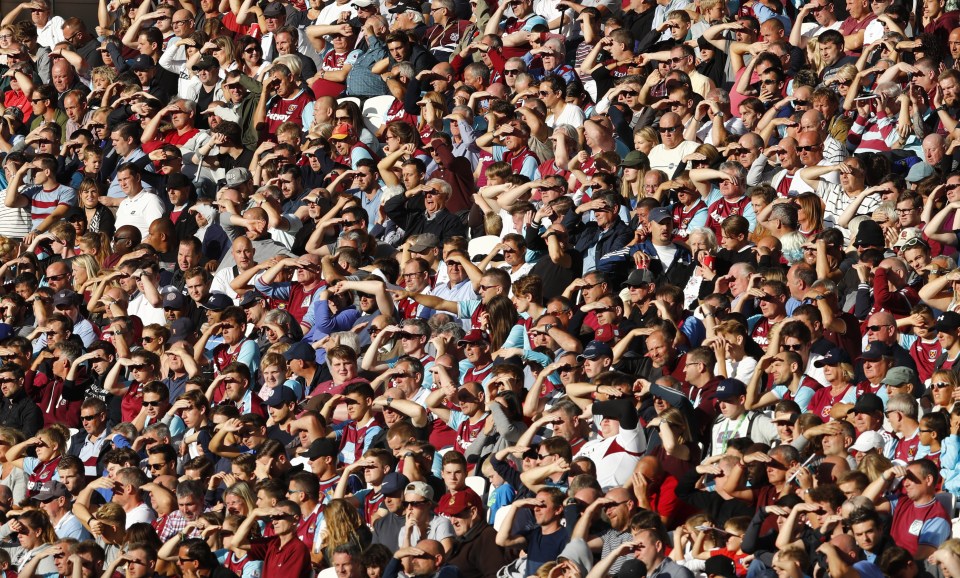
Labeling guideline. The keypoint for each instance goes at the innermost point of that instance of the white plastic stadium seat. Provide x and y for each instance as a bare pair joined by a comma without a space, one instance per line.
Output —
498,518
482,245
375,110
478,484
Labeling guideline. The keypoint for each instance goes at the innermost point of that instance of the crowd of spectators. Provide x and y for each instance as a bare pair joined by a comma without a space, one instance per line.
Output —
466,289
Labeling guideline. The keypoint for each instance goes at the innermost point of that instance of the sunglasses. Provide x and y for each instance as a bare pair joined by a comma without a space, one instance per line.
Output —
156,467
939,385
152,403
793,347
807,148
408,335
669,129
511,72
58,277
416,503
875,328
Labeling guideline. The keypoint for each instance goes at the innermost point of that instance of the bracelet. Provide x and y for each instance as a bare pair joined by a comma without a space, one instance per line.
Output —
598,389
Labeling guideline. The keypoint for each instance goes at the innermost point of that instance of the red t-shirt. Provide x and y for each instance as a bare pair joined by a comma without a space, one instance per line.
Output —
286,110
291,561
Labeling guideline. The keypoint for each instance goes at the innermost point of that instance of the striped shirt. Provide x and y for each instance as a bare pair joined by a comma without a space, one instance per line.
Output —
873,135
44,202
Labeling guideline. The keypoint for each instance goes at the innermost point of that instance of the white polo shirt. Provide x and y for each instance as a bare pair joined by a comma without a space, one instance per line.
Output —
140,211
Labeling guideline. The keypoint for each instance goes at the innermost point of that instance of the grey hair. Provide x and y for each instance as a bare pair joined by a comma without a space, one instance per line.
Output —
161,429
825,284
454,328
465,111
348,338
444,186
787,215
280,317
708,235
556,46
187,105
889,89
737,168
905,404
406,69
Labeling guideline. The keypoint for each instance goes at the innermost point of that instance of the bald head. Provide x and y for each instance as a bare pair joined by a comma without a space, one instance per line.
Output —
812,120
847,546
431,547
671,117
619,494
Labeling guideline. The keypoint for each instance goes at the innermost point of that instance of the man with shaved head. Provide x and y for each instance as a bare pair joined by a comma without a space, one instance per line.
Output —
882,327
619,505
667,155
299,294
253,224
814,120
426,559
777,165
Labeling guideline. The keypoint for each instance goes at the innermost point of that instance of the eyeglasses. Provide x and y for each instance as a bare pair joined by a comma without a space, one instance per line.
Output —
152,403
630,93
769,82
485,287
180,22
416,503
185,560
58,277
793,347
88,417
876,328
939,385
669,129
148,339
408,335
511,71
807,148
156,467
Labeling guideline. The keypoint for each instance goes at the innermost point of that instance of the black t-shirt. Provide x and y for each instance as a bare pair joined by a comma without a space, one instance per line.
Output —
556,278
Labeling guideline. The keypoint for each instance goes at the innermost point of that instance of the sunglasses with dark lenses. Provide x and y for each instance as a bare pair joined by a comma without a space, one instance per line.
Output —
407,335
939,385
669,129
807,148
152,403
156,467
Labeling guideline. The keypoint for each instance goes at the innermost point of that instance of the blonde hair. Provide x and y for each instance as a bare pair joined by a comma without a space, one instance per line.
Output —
291,62
672,416
88,263
343,521
874,465
242,490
